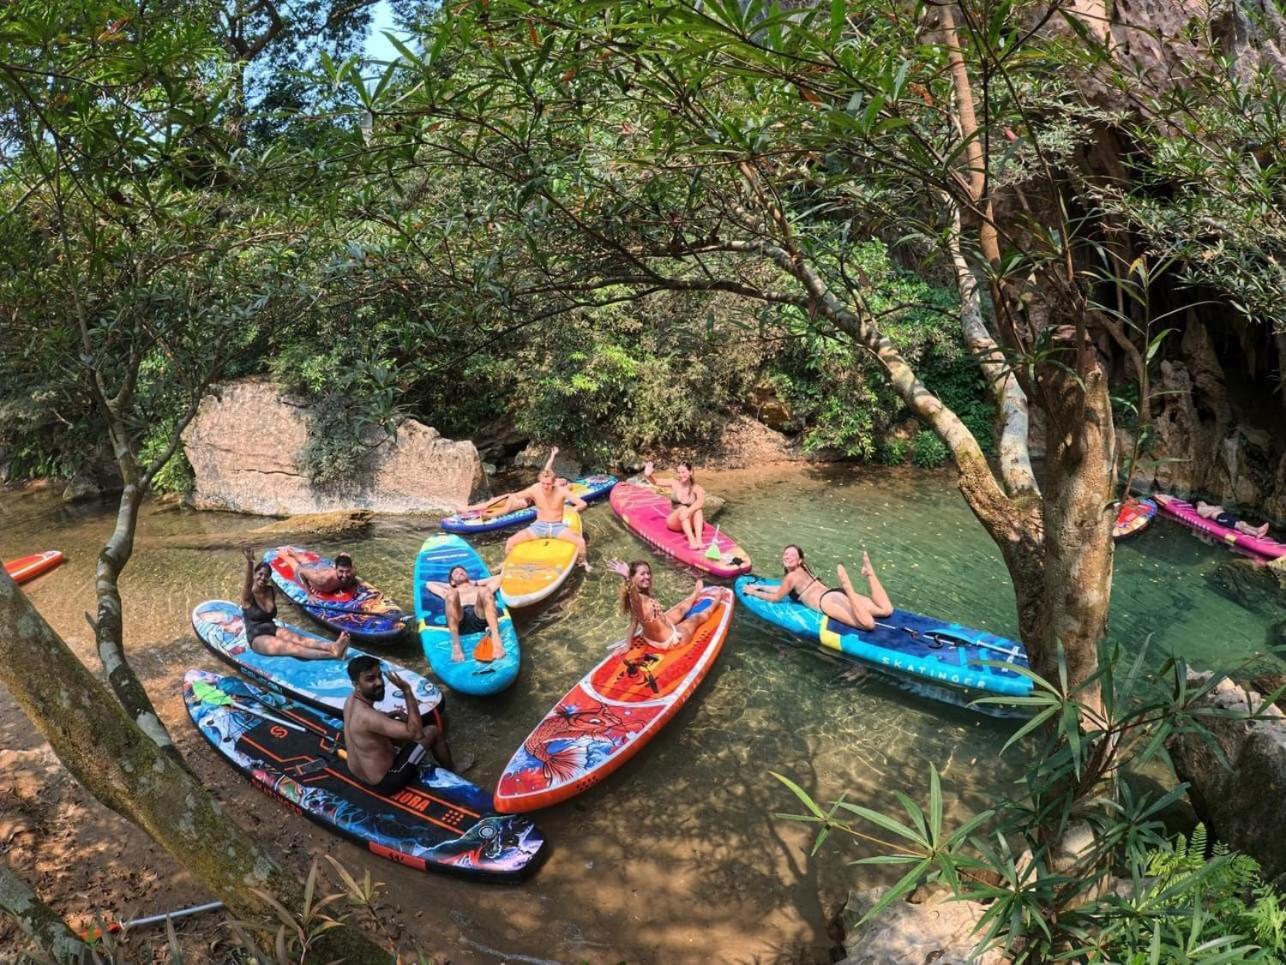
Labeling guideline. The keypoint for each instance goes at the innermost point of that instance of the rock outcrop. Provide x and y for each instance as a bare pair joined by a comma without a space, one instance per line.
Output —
938,930
1240,803
245,443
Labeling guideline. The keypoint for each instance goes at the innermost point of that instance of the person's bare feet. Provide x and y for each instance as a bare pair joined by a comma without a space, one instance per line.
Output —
457,654
868,570
585,565
1262,531
842,575
341,645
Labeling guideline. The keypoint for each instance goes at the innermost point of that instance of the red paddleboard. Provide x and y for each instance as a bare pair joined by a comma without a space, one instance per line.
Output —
615,709
644,511
29,567
1134,516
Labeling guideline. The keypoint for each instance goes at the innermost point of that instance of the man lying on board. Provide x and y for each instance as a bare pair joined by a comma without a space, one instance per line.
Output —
1224,518
471,608
323,580
372,739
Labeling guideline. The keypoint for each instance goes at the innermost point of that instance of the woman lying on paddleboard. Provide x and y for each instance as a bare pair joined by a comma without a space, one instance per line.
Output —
844,603
661,628
259,611
687,500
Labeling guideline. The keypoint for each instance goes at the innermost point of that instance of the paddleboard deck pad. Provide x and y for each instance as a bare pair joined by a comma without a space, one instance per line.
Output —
937,659
27,568
363,611
1133,517
438,822
323,685
438,556
612,712
644,511
1187,514
588,488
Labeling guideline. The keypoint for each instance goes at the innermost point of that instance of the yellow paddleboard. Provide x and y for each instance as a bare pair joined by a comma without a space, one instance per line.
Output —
537,568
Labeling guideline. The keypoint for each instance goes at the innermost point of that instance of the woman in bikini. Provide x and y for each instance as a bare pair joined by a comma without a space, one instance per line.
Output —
687,500
842,603
259,612
661,628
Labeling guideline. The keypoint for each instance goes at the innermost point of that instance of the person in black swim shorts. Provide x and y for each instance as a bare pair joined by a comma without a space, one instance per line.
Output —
1224,518
471,608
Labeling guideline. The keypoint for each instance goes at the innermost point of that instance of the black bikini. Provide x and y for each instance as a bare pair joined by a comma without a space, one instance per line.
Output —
796,594
259,622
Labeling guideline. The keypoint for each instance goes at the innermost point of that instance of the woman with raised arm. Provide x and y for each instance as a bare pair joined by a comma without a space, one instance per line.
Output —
660,628
259,612
687,501
842,603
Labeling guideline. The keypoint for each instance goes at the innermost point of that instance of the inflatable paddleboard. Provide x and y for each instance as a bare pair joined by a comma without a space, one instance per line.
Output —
323,685
363,611
644,511
1133,517
936,659
438,822
615,709
438,556
588,488
27,568
1187,514
537,568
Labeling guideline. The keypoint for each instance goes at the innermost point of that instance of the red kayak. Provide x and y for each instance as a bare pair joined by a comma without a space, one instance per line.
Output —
29,567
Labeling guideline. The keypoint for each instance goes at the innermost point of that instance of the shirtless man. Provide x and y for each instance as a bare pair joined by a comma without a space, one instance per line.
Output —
1224,518
660,628
323,580
369,735
549,499
471,608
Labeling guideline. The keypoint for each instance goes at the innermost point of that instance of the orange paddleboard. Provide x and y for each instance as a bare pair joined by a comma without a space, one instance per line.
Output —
29,567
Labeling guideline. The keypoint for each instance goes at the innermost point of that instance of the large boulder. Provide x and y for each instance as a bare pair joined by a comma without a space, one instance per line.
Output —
245,443
939,930
1241,802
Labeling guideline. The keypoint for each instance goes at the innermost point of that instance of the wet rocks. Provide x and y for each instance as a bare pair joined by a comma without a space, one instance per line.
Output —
938,930
245,443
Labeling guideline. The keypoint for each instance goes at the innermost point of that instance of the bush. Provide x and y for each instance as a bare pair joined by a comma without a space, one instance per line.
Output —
930,451
893,451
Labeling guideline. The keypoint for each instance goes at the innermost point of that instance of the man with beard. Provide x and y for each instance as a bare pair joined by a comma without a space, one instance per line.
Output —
371,737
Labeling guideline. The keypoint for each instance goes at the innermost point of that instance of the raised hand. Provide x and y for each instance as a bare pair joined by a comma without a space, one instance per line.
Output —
397,681
648,468
620,568
248,553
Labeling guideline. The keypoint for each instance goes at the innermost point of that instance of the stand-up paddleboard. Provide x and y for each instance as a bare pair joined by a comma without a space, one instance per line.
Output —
438,556
438,822
1187,514
323,685
363,611
933,658
615,709
1133,517
644,511
588,488
29,567
534,570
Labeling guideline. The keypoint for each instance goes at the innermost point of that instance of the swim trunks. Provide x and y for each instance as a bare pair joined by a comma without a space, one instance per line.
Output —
401,771
471,621
543,530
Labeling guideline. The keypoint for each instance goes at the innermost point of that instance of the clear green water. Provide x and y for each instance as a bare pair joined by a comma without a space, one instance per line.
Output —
677,856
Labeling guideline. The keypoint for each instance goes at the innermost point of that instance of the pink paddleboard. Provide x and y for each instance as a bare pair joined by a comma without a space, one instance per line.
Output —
644,511
1187,514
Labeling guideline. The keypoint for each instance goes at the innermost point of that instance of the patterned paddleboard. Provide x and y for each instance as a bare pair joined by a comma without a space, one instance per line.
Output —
320,684
1187,514
945,658
644,511
537,568
1133,517
363,611
588,488
29,567
438,822
611,713
438,556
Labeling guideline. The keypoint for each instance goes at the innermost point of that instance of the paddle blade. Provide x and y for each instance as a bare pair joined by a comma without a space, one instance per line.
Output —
486,650
712,553
210,695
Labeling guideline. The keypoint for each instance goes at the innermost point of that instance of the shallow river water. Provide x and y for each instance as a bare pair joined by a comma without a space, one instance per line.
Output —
678,856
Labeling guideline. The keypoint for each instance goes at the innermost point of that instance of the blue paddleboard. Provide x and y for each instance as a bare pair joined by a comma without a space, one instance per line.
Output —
588,488
320,684
937,659
438,556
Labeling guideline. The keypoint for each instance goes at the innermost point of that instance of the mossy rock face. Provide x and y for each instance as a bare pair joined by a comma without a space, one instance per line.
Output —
1248,584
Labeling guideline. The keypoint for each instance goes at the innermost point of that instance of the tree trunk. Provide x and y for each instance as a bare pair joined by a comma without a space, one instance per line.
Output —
124,769
38,921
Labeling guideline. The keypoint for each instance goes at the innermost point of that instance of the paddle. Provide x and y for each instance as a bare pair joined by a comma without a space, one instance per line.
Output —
95,933
712,553
217,698
943,639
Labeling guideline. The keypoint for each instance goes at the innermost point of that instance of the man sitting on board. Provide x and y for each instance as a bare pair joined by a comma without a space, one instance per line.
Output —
1224,518
471,608
324,580
369,735
550,498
